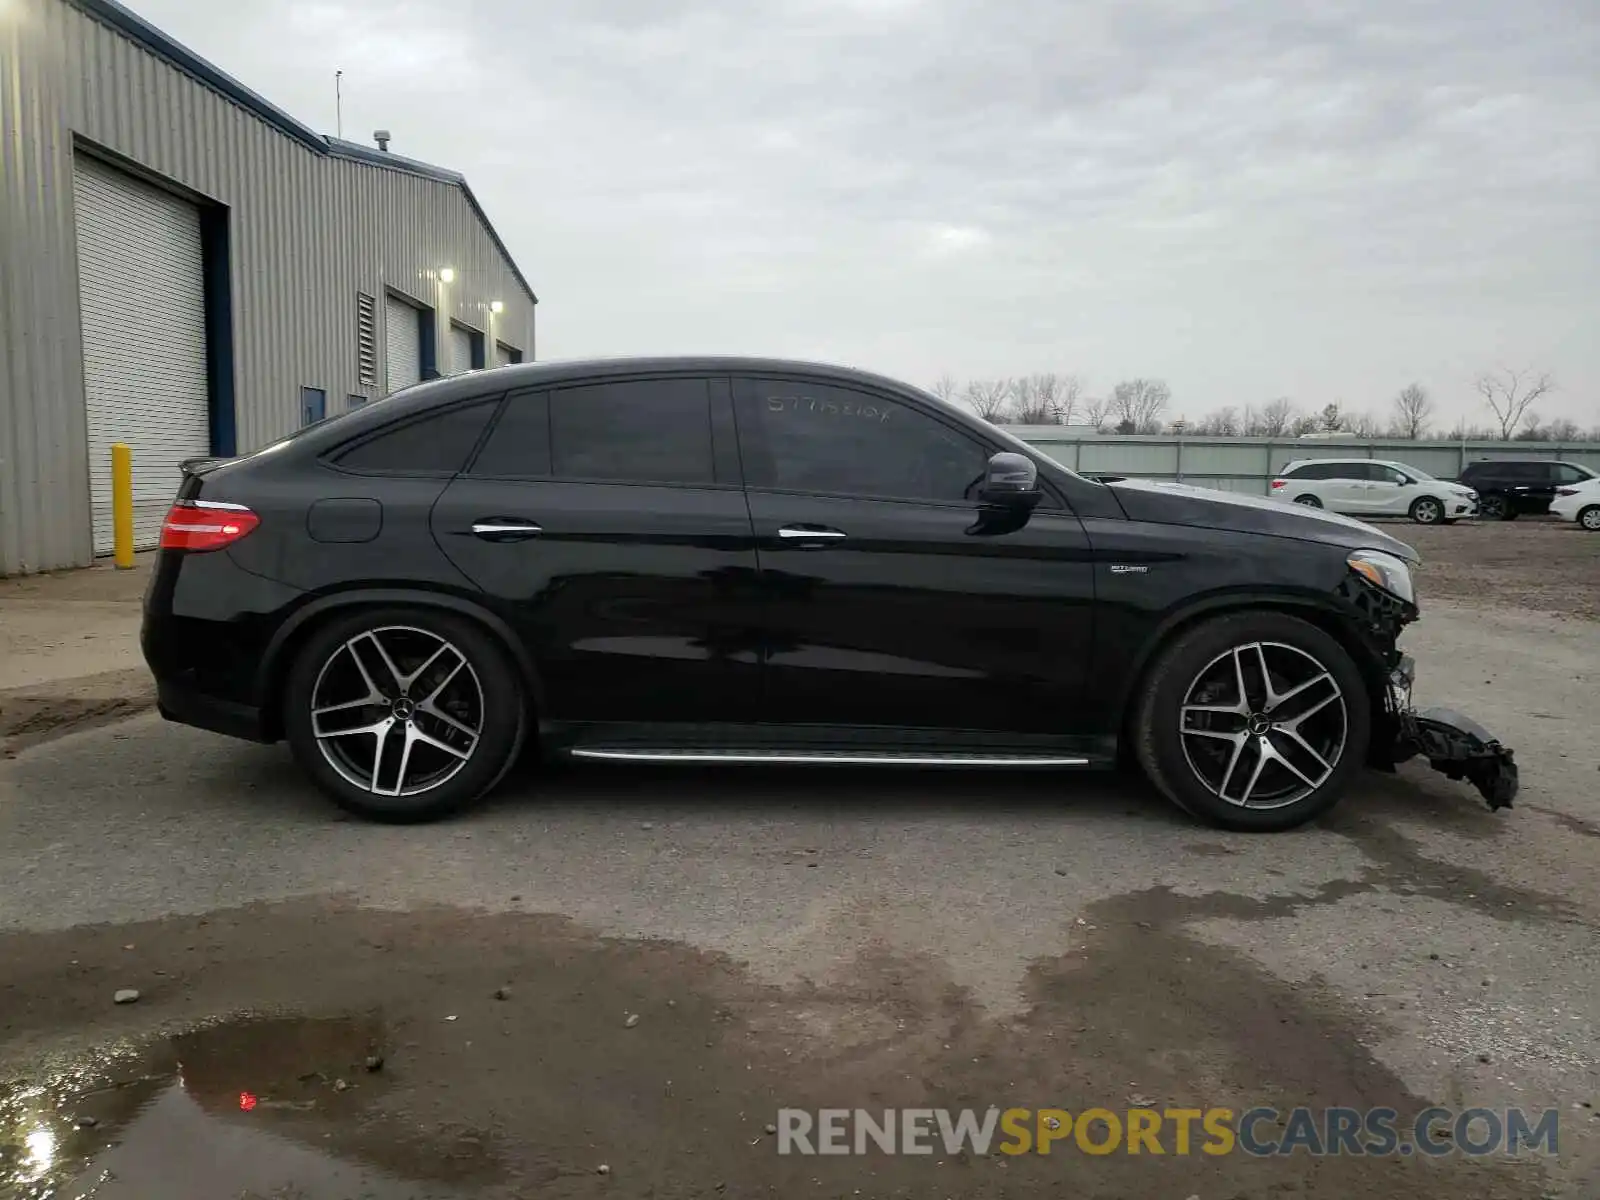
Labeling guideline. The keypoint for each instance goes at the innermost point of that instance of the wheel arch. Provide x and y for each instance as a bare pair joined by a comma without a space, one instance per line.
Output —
278,659
1325,614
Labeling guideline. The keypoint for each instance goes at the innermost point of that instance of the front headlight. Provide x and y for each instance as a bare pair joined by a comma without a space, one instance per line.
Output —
1385,571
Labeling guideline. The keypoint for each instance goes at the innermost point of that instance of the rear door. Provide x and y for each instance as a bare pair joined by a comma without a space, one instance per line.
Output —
1389,491
608,521
884,604
1345,489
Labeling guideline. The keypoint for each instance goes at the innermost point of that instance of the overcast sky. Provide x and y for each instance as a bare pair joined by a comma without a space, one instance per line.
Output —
1324,199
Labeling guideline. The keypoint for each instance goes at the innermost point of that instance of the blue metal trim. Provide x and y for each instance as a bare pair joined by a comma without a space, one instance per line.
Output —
162,46
217,271
428,353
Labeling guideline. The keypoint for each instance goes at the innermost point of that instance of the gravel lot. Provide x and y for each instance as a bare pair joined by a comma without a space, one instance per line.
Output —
446,1011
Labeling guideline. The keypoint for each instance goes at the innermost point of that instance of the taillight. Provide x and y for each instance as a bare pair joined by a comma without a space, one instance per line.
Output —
1278,483
1566,491
198,525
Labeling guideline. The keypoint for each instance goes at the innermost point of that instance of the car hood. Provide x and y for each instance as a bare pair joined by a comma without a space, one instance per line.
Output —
1208,508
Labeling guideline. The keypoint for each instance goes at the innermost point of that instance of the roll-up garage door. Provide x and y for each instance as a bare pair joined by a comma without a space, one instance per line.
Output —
141,289
402,333
502,356
460,350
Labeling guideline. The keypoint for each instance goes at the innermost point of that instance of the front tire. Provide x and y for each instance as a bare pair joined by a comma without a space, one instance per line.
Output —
1254,721
1495,508
1425,510
404,715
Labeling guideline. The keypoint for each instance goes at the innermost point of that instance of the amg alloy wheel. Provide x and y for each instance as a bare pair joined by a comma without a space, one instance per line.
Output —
1427,511
1254,721
403,716
1263,725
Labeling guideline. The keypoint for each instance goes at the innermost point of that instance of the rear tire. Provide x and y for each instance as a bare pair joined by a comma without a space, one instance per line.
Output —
449,729
1187,754
1425,510
1309,501
1589,518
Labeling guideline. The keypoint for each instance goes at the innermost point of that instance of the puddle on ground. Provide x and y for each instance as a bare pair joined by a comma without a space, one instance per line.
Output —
258,1109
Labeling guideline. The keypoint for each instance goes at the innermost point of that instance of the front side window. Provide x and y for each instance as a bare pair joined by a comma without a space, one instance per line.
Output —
813,437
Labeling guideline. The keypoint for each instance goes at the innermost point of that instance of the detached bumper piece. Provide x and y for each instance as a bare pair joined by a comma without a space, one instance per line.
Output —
1454,745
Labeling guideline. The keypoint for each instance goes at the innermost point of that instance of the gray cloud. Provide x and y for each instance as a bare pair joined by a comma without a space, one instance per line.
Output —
1249,197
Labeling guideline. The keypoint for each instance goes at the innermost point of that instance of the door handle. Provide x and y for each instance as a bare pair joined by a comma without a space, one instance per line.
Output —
803,533
502,530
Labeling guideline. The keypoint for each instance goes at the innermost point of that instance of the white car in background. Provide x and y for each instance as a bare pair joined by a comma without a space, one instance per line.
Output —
1579,502
1374,487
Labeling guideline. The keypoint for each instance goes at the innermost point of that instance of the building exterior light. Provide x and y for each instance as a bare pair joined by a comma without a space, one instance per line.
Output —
447,275
496,307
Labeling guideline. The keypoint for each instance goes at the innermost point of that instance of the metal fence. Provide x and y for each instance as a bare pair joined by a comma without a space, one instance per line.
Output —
1246,464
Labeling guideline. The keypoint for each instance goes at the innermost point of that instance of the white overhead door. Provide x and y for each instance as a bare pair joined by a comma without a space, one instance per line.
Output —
141,292
460,350
402,338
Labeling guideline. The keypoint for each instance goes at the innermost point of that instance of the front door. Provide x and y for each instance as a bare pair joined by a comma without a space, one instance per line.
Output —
883,606
608,522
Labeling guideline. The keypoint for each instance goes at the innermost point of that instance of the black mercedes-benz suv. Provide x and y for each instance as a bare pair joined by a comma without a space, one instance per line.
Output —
745,560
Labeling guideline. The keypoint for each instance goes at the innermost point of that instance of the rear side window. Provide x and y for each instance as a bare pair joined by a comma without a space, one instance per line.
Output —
634,431
1320,471
519,447
1566,473
433,445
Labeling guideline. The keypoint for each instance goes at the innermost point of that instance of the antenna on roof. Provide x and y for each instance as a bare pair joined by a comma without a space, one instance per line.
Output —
381,136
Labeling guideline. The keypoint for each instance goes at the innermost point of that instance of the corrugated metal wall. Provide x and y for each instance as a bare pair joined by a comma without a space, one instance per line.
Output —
1248,464
308,230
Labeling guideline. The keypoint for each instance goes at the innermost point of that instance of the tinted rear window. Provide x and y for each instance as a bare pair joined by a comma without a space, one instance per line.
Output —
433,445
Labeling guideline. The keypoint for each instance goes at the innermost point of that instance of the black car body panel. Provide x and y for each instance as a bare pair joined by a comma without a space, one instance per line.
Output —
733,604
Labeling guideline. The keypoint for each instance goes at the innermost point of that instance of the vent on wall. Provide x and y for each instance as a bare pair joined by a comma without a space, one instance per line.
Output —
367,337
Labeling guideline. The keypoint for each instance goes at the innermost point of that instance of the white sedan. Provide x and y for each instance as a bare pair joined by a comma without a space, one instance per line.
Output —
1579,502
1370,487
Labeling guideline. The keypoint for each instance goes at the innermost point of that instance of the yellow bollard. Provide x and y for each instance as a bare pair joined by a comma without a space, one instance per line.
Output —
122,505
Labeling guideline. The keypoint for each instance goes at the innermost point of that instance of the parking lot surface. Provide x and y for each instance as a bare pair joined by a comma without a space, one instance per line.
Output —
610,981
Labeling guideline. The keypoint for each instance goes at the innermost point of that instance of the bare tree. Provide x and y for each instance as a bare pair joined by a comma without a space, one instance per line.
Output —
1060,395
945,387
1097,411
1224,422
1509,394
1563,429
988,396
1330,419
1303,424
1364,425
1028,404
1276,417
1413,408
1138,404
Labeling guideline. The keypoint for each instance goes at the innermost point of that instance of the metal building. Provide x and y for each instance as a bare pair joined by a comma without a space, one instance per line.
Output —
188,269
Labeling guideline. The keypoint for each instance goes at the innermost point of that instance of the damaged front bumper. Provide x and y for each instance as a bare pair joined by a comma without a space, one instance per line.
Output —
1453,744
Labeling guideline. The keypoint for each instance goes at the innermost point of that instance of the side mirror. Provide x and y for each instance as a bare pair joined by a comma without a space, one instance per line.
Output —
1010,481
